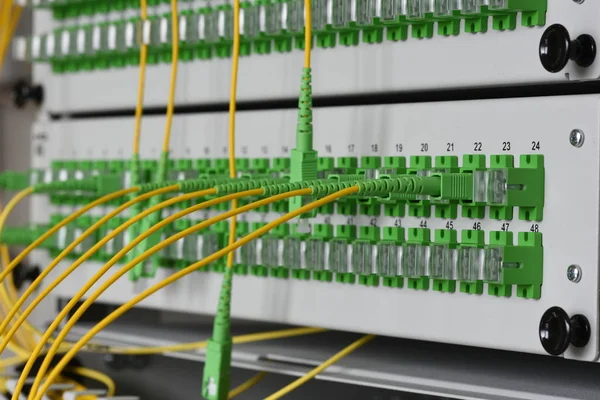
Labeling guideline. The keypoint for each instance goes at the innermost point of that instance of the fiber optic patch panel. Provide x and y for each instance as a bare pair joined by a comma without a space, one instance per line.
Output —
416,257
471,44
371,264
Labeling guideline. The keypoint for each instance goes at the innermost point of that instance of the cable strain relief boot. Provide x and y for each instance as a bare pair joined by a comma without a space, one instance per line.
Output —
456,186
194,185
85,185
163,167
217,368
149,187
135,170
303,157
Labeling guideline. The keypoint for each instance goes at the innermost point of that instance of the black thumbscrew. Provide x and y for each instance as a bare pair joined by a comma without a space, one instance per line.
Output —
557,48
22,274
558,331
24,92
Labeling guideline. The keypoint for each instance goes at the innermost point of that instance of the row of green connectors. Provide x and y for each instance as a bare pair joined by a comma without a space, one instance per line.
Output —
180,169
390,256
503,186
417,259
423,263
66,9
115,45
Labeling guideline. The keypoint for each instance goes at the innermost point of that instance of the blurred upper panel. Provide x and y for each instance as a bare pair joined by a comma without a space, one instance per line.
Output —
86,53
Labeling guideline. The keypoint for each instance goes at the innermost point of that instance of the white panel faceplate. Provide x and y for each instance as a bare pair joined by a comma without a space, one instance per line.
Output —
468,60
570,226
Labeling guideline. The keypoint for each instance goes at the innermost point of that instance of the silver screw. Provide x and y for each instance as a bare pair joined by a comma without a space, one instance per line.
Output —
574,273
579,1
576,138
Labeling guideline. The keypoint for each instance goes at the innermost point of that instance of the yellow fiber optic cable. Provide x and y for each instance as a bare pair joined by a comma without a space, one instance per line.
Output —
235,60
105,285
139,108
89,253
19,339
177,275
73,301
300,381
22,339
89,301
17,349
9,296
249,338
31,288
307,33
11,361
34,332
173,83
8,270
246,385
240,339
25,339
96,376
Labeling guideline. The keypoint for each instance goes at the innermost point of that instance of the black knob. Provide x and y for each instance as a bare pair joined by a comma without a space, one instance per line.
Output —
24,92
558,331
22,274
557,48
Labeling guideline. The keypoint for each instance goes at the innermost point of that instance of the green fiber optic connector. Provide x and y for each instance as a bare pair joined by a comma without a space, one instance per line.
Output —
283,39
217,367
469,268
315,252
224,45
292,245
441,260
186,252
533,12
362,255
245,256
419,207
138,176
204,49
186,44
394,165
474,164
214,240
507,265
521,187
116,244
368,167
257,269
292,252
80,225
446,209
147,269
270,249
388,257
339,262
304,157
414,258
